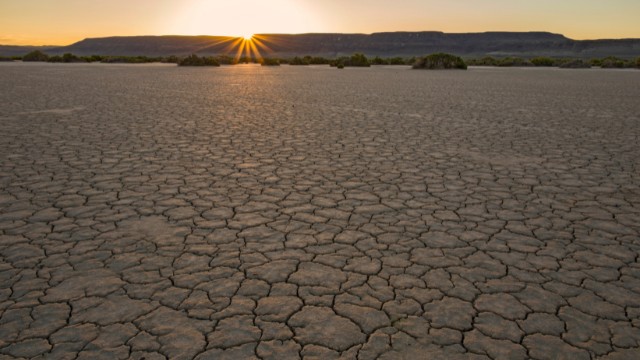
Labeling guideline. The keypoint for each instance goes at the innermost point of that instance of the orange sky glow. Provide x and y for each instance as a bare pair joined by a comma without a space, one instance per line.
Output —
62,22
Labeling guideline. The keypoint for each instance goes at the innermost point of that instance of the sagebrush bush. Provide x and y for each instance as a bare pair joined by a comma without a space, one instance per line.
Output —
195,60
576,64
35,55
544,61
270,62
440,61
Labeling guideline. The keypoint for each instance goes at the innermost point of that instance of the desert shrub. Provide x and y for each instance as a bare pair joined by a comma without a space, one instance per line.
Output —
638,63
511,61
172,59
70,58
357,60
379,61
341,60
595,62
244,60
340,66
270,62
440,61
4,58
613,62
485,61
543,61
398,61
92,58
225,60
35,55
55,59
317,60
129,59
298,61
576,64
195,60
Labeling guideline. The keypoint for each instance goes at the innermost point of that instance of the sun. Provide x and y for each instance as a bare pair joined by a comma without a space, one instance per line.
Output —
248,37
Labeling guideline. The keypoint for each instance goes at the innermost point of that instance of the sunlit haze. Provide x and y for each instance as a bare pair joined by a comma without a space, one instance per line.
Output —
62,22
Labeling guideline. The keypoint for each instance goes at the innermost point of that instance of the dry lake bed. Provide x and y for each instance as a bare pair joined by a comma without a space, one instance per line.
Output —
153,212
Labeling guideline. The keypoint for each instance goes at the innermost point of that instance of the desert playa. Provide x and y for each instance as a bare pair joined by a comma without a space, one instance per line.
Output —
157,212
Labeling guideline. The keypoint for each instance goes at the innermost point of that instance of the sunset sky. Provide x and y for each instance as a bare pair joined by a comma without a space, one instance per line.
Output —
62,22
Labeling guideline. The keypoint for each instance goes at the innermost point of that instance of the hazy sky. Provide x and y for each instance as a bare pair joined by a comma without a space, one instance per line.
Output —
62,22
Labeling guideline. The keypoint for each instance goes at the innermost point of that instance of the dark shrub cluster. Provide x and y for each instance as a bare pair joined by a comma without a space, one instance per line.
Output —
612,62
130,59
195,60
378,61
608,62
401,61
170,59
545,61
298,61
440,61
514,61
576,64
270,62
225,60
355,60
307,60
35,55
68,58
391,61
358,60
485,61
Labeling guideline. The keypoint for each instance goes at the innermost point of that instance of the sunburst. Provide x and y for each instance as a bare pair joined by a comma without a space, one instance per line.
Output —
249,46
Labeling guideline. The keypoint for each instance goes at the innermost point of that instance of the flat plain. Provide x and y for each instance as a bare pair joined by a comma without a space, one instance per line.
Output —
154,212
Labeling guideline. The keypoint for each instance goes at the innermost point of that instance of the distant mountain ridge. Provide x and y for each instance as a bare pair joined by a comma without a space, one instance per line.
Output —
385,44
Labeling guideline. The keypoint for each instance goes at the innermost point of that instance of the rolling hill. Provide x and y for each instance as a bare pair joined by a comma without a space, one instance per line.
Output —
387,44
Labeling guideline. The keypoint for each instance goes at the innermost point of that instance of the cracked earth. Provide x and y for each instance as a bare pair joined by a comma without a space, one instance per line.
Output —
156,212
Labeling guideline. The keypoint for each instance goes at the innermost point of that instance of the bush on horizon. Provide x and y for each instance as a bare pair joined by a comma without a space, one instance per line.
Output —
358,60
379,61
195,60
544,61
4,58
576,64
638,63
35,55
170,59
298,61
67,58
440,61
270,62
485,61
128,59
316,60
400,61
612,62
355,60
514,61
389,61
